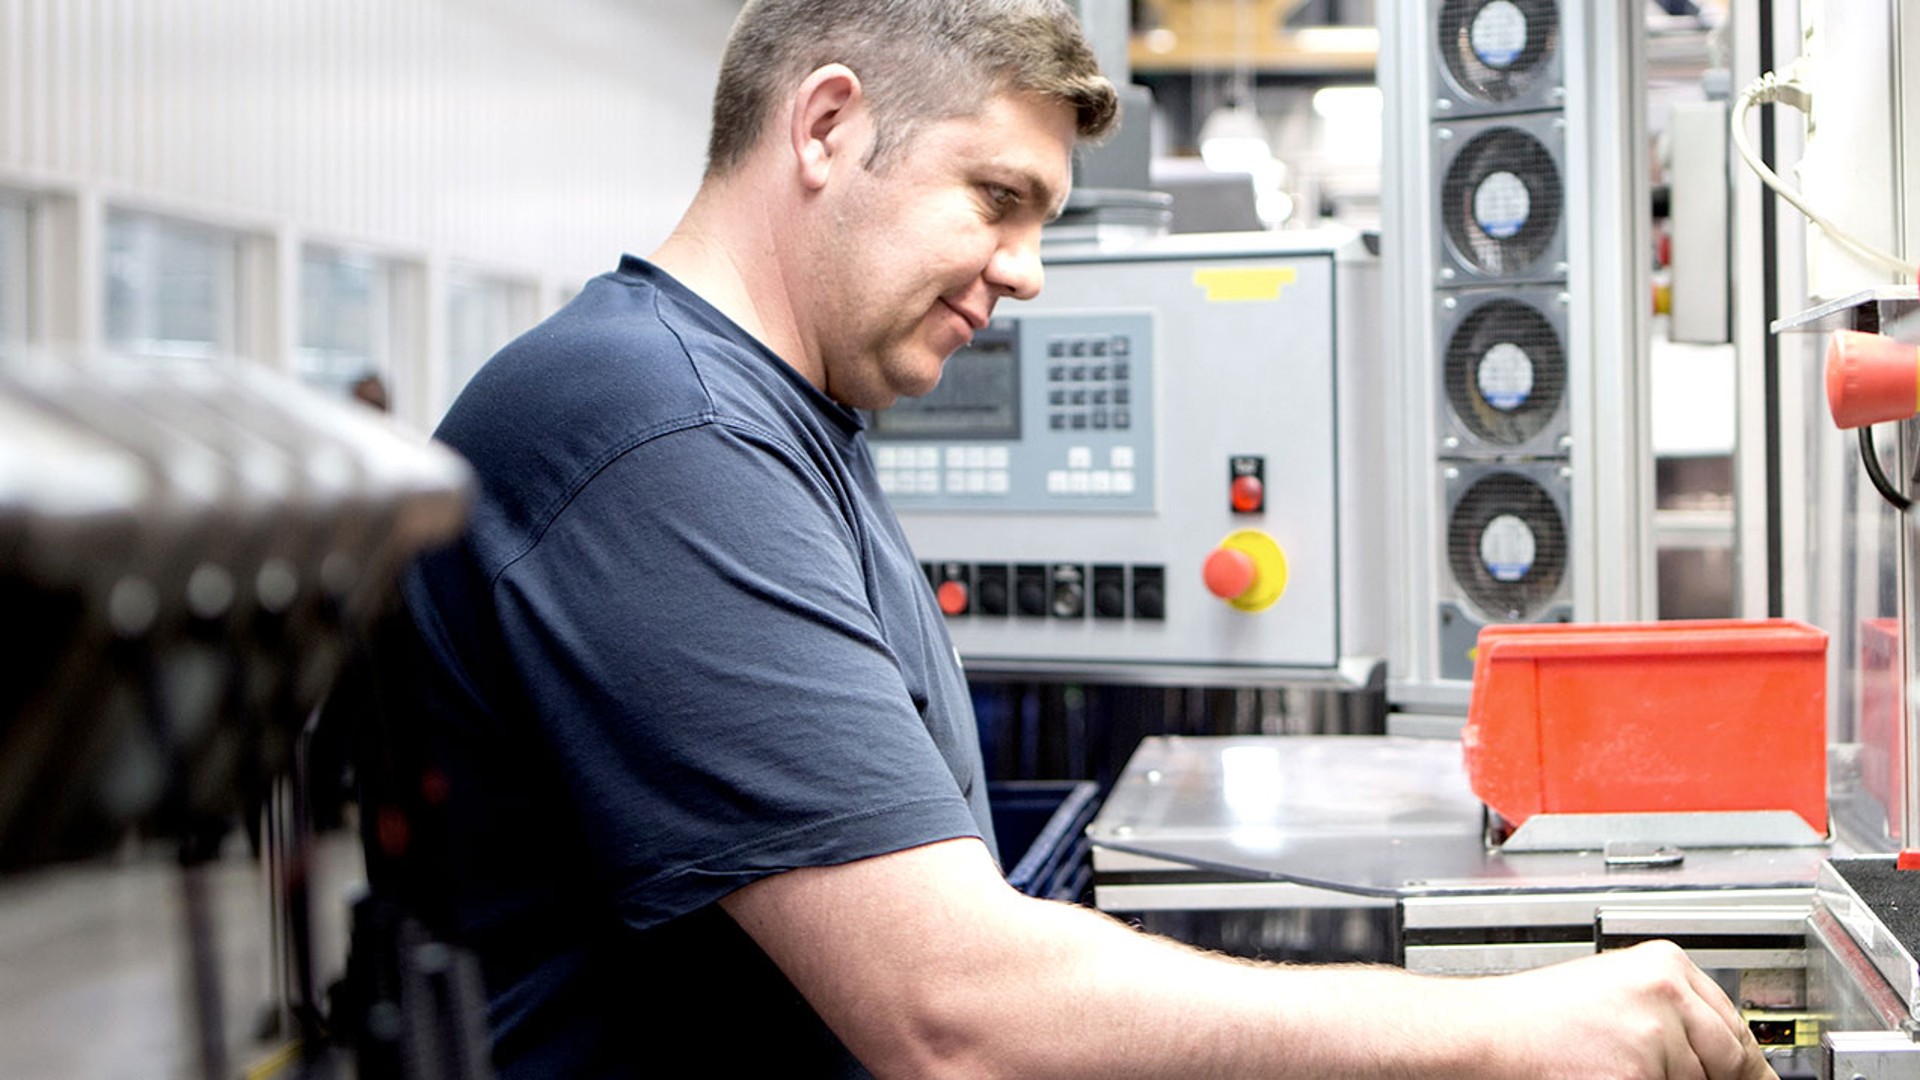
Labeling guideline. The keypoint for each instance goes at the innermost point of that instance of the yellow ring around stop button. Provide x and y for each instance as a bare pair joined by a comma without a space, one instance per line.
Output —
1269,568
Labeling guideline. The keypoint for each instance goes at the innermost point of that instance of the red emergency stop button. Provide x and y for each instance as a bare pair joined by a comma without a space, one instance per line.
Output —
1249,495
1871,379
1229,572
953,597
1247,570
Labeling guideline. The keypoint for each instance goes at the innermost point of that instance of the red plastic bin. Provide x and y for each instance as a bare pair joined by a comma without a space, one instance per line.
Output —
1719,714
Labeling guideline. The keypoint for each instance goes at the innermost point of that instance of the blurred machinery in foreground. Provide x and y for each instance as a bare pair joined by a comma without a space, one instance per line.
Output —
186,553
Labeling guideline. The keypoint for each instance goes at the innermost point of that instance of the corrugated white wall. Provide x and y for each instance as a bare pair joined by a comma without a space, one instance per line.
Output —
526,141
539,135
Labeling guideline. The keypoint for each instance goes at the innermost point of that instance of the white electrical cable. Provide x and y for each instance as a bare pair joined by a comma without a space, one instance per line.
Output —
1770,88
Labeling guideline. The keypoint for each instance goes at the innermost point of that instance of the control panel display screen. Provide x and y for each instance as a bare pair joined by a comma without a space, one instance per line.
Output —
978,396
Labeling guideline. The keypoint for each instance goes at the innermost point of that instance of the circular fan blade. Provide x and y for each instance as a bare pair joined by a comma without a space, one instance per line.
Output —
1507,545
1506,372
1501,201
1495,50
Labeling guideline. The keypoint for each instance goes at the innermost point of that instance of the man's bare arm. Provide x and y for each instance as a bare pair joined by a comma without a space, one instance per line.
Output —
927,964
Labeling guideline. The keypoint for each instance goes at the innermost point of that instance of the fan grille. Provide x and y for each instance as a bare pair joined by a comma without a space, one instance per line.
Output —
1496,50
1507,545
1506,372
1501,201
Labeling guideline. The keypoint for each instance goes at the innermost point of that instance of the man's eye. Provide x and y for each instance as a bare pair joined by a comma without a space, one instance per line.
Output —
1003,197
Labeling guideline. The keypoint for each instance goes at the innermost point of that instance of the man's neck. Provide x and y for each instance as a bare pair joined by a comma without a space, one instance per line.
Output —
723,250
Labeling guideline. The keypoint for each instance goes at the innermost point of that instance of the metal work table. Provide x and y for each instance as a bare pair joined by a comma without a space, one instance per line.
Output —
1385,817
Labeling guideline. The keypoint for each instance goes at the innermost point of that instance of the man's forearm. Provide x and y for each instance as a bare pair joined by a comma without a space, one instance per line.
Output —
927,964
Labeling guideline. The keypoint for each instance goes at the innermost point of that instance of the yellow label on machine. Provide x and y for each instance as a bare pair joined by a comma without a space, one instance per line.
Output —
1225,286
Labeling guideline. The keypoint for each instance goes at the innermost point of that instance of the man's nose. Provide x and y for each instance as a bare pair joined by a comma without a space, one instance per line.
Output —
1015,269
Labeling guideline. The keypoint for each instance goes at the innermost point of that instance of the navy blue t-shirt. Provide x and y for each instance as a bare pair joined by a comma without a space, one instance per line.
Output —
682,645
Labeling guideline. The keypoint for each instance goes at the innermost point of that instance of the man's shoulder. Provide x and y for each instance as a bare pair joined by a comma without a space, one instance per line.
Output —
609,352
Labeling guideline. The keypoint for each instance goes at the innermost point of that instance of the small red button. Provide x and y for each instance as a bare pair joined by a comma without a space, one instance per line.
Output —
953,597
1229,573
1249,495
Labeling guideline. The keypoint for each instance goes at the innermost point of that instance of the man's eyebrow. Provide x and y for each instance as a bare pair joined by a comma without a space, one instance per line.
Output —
1042,194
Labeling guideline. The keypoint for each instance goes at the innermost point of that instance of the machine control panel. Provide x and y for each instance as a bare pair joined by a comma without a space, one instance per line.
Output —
1040,412
1141,472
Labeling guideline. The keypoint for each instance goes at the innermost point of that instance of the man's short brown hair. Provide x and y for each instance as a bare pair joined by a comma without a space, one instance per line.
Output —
919,61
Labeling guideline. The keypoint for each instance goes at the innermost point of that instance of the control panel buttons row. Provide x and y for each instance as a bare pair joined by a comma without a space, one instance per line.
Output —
1096,345
956,482
1119,371
1119,395
1089,482
1091,420
931,457
1049,590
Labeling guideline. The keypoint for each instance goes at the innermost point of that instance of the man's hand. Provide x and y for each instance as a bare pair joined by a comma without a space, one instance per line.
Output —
1639,1013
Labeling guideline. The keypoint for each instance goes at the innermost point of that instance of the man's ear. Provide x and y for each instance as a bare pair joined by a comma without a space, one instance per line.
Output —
822,125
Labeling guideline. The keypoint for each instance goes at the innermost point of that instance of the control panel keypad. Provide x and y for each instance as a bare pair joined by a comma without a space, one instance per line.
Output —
1084,437
1093,389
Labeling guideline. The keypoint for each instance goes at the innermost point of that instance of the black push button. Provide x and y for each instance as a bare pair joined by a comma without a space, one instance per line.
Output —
992,589
1109,592
1030,591
1149,592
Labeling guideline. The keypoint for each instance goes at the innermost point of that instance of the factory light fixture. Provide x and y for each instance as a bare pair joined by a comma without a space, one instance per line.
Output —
1234,139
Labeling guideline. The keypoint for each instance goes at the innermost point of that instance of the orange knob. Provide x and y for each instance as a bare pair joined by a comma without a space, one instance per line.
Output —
1871,378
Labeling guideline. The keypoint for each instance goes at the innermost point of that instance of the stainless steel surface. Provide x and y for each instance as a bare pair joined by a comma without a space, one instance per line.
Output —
1549,909
1491,959
1722,929
1579,832
1426,725
1888,956
1728,937
1777,920
1384,816
1870,1055
1841,314
1226,896
1842,982
1349,673
1905,329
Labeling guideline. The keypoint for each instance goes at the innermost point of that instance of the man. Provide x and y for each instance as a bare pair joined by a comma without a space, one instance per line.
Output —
715,791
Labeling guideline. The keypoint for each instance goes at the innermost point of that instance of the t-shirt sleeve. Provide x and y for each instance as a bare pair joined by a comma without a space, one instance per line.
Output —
695,633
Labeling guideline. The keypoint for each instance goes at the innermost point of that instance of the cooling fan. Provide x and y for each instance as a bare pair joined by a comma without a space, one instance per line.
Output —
1507,544
1506,376
1501,54
1501,202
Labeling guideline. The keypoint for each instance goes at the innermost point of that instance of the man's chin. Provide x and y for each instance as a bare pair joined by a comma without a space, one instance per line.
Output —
917,383
896,381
